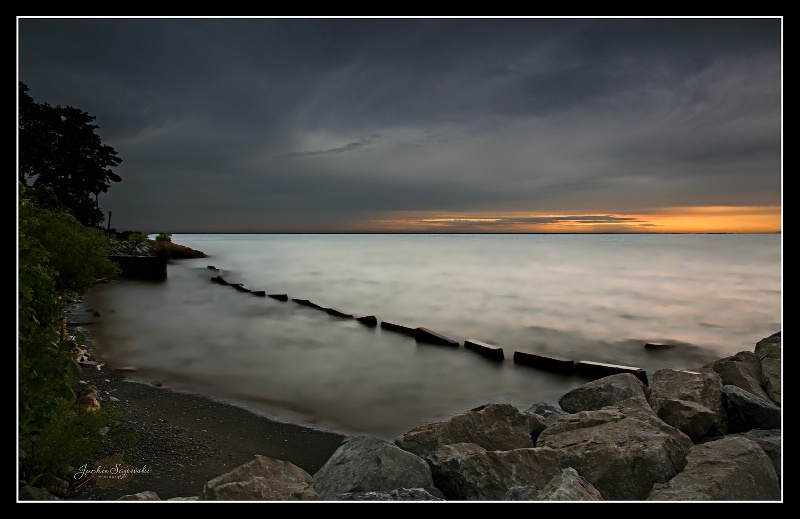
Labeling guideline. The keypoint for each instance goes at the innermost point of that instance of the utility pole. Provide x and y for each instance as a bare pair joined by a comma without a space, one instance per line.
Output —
109,220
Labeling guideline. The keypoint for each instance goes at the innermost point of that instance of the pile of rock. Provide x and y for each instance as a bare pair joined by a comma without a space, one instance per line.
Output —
133,248
712,434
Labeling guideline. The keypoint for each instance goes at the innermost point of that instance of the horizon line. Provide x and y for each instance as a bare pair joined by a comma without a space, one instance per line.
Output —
444,232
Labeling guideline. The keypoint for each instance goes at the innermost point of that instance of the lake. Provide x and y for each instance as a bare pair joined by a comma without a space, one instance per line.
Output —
595,297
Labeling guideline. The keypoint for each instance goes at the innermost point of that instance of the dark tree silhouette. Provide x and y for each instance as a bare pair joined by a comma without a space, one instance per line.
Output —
62,158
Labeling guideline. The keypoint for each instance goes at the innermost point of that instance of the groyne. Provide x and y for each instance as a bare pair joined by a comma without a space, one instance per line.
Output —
584,368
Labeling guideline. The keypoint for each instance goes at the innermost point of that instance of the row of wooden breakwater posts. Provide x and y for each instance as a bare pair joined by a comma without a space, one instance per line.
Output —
590,369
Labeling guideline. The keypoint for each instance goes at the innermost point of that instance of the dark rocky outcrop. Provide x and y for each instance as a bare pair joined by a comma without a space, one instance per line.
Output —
148,259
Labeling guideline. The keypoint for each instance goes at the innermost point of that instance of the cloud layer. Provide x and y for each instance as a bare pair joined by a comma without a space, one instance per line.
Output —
340,125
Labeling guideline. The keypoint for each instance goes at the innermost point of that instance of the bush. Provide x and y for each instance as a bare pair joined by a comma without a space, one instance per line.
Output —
136,237
70,439
164,237
55,253
78,255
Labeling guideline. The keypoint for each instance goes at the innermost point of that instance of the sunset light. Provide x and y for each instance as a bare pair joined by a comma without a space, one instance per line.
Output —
735,220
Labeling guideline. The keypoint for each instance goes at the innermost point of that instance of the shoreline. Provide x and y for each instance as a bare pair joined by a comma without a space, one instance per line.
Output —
185,439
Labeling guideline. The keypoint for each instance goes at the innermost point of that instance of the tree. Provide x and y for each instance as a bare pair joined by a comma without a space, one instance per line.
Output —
62,158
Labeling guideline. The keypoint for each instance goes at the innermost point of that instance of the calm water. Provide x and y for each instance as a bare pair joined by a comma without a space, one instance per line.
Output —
583,297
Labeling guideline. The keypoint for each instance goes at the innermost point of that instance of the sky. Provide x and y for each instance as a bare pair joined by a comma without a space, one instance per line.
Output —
411,124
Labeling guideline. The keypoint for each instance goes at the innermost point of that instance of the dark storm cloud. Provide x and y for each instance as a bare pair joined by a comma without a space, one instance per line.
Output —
362,143
314,122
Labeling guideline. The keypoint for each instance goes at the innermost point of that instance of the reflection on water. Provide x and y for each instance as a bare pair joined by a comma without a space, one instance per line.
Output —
584,297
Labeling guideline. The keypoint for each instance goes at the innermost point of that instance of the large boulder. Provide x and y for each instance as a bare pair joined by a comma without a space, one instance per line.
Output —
747,411
569,486
770,441
622,450
261,479
742,370
733,468
366,463
603,392
690,401
769,351
468,472
494,426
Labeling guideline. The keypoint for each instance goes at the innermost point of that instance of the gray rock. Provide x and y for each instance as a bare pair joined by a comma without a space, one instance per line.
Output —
547,409
261,479
401,494
536,424
748,411
690,401
769,351
742,370
147,495
569,486
621,450
522,493
733,468
539,416
493,426
467,472
770,441
370,464
603,392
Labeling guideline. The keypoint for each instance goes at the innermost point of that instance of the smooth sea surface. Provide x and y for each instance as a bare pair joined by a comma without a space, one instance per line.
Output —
582,297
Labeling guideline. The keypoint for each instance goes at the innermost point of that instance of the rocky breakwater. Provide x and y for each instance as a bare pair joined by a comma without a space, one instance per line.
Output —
148,259
133,248
709,434
164,248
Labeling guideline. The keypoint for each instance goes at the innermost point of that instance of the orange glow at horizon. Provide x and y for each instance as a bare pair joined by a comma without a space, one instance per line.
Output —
711,219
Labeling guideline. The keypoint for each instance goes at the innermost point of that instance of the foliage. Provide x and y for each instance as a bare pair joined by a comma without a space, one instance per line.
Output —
164,237
62,158
71,438
55,253
38,303
78,254
62,168
136,237
131,236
